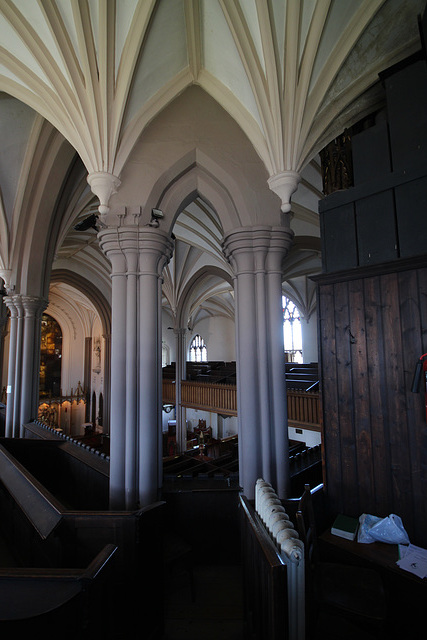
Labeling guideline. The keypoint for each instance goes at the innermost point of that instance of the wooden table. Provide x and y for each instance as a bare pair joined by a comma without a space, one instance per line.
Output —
406,593
377,553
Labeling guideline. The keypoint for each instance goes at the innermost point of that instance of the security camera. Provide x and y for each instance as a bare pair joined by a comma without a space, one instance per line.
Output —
88,223
157,213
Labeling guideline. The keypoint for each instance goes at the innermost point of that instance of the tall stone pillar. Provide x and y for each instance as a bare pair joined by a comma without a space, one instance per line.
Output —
24,360
33,310
137,254
256,254
10,389
106,383
180,375
4,330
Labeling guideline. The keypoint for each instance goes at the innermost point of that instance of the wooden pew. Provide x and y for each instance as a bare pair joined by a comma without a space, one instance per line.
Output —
43,532
68,602
305,467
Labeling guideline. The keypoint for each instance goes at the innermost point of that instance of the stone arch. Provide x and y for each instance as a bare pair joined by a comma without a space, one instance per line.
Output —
92,293
205,152
185,299
103,309
50,180
193,178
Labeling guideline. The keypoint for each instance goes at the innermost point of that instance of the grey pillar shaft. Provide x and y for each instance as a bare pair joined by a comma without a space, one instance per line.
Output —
131,376
277,381
180,374
159,383
138,255
155,251
33,308
24,360
107,383
18,369
87,377
11,367
256,254
118,383
3,334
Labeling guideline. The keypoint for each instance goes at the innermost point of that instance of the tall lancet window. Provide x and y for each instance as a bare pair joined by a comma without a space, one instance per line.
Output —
198,350
292,331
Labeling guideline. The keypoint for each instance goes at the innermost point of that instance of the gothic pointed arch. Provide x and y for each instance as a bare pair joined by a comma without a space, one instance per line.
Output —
86,287
103,309
198,279
216,161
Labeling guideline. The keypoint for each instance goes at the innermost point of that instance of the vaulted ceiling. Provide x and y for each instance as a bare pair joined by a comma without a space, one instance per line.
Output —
91,75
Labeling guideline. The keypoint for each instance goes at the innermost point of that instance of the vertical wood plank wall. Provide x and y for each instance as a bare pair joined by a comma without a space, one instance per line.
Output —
372,331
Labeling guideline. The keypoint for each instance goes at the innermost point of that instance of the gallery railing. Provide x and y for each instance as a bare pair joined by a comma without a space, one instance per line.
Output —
303,406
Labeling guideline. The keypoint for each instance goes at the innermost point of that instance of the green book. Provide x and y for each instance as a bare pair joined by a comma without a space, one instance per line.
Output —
345,527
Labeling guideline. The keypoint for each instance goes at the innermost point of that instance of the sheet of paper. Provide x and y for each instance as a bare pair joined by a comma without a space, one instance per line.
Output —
413,559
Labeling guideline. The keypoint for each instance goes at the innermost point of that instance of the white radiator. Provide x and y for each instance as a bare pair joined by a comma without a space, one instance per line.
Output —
291,549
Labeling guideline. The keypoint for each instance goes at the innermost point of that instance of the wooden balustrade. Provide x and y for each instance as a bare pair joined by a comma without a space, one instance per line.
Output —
169,395
304,409
219,398
303,406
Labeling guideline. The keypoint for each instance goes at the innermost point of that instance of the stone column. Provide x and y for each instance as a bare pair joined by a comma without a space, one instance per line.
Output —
180,374
24,360
137,254
33,307
4,329
87,376
256,254
155,251
107,383
10,389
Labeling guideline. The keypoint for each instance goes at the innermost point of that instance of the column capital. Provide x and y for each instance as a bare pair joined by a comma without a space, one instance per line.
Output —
14,304
34,305
259,248
30,305
136,249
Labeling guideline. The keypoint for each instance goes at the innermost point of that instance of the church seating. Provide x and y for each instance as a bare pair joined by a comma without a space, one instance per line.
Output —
42,531
70,602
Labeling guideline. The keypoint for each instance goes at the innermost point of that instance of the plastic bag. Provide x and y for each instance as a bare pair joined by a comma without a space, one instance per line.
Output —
389,530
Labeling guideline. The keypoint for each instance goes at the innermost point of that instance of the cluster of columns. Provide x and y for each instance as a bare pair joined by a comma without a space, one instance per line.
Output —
24,361
256,255
137,255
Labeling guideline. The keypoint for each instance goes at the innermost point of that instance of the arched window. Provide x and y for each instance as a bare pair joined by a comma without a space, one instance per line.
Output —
198,351
165,354
50,357
291,331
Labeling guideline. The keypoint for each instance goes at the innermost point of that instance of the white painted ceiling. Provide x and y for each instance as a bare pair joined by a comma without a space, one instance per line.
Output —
292,73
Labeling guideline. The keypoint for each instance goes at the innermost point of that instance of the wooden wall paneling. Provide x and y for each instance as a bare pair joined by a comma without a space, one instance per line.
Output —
343,337
361,397
410,300
422,288
421,505
396,401
329,387
375,363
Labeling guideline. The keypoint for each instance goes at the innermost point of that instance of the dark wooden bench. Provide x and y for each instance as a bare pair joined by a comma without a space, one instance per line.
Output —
305,467
69,602
42,531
